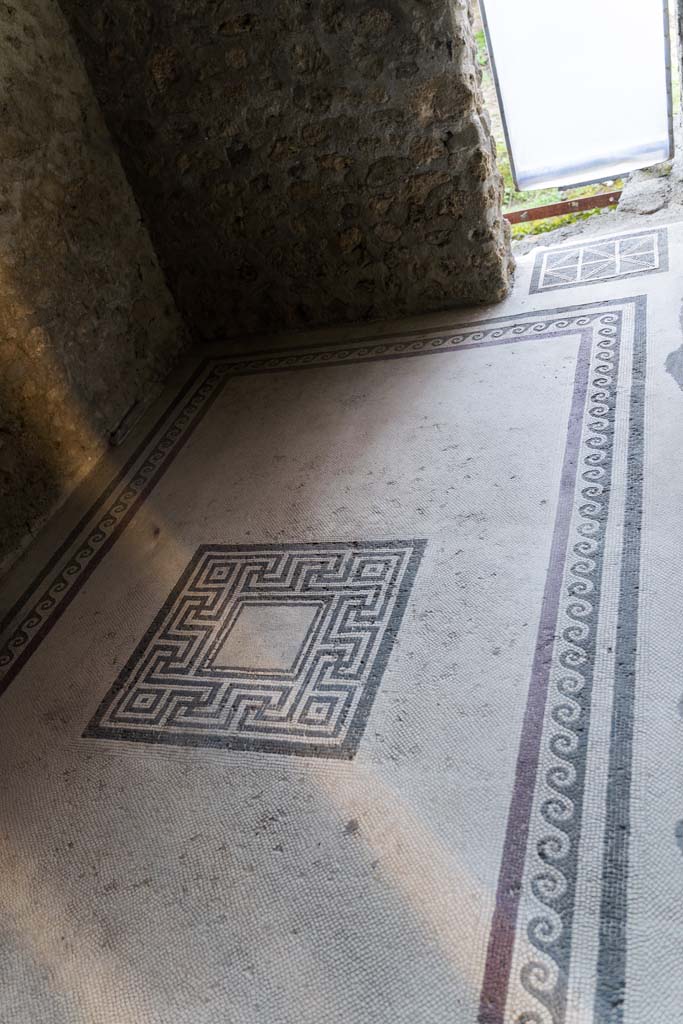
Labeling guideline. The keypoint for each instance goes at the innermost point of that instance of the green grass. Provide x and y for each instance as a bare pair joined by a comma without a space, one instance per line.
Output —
482,52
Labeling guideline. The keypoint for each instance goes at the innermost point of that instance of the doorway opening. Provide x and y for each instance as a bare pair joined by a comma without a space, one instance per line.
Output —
535,208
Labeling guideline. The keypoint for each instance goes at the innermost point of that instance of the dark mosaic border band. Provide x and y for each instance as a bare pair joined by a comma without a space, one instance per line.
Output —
611,970
110,514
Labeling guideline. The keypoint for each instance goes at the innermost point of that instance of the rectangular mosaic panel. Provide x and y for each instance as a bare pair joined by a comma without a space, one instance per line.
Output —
275,648
624,256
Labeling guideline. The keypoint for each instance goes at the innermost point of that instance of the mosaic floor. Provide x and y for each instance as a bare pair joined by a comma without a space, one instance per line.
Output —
351,692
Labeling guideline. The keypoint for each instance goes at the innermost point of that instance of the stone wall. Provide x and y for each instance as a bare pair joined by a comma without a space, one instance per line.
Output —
303,161
86,321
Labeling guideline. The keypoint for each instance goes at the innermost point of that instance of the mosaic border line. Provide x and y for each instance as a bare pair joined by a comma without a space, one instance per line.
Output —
663,250
48,608
164,446
611,971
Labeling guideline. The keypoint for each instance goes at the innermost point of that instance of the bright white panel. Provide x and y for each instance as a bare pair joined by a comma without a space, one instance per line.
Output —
584,86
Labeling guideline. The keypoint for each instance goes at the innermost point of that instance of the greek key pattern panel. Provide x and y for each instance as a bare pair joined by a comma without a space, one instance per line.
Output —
277,649
643,252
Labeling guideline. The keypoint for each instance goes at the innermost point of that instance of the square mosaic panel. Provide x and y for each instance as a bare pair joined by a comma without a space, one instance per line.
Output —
276,648
608,258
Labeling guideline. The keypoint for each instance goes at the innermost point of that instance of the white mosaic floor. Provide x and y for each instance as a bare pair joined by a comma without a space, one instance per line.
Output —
351,692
